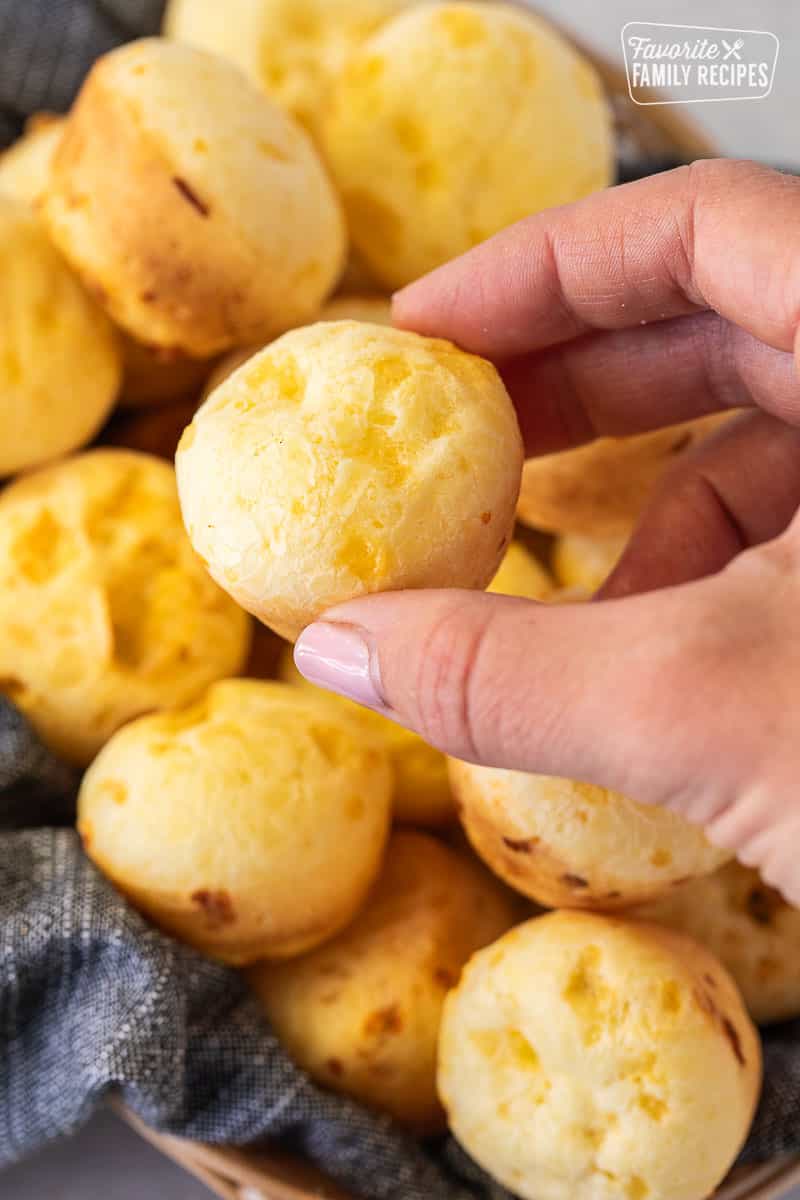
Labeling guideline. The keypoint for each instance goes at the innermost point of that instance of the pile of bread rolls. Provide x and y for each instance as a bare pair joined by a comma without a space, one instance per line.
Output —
198,257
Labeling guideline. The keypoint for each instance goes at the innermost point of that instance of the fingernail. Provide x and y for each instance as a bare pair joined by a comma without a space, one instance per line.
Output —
338,658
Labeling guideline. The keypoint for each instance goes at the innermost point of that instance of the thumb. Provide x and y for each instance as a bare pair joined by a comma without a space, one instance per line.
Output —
613,692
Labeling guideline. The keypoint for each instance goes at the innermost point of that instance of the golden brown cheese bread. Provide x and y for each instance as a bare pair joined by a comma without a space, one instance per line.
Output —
751,929
105,610
349,458
25,166
250,824
60,366
574,845
151,374
293,49
361,1014
454,120
587,1058
194,206
599,490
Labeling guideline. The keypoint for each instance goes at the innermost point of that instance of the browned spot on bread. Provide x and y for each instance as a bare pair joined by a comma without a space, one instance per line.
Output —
191,196
520,845
335,1067
613,895
710,980
447,978
574,881
217,907
149,296
486,517
503,542
762,904
384,1020
732,1034
12,687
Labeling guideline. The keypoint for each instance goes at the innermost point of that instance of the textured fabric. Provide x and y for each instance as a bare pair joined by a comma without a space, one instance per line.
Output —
91,997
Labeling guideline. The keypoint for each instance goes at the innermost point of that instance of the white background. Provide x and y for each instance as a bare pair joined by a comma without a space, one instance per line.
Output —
106,1162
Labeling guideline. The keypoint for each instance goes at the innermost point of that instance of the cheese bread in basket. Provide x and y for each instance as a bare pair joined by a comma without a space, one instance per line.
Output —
296,948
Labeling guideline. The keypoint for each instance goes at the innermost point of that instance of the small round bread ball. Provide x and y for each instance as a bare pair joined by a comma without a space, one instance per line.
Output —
599,490
455,120
750,928
250,825
348,458
587,1058
192,204
361,1014
60,367
575,845
105,610
25,166
586,562
523,575
374,309
293,49
421,794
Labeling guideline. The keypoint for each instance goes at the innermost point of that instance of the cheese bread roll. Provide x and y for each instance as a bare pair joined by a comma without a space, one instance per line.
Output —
196,209
587,1058
250,824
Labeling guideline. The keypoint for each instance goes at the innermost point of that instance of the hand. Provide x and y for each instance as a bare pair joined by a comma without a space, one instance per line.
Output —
649,304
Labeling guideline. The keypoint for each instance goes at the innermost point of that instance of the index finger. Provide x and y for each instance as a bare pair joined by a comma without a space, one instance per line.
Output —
718,234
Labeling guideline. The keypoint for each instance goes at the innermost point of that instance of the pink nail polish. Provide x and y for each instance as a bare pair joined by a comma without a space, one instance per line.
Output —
338,658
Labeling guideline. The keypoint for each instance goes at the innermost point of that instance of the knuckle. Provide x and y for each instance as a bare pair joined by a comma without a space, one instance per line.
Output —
448,684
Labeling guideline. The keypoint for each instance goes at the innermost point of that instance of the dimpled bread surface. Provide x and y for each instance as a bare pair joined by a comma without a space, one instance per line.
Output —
362,1013
105,610
455,120
349,458
250,825
294,49
574,845
586,562
600,489
421,792
749,927
191,203
374,309
588,1058
60,366
25,166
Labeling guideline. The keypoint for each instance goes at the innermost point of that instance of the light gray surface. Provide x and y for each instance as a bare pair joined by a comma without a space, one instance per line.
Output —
107,1161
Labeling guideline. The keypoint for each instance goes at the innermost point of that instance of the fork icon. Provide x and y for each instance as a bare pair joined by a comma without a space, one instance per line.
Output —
733,50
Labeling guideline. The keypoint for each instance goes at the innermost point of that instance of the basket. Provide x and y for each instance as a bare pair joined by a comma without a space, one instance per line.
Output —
653,135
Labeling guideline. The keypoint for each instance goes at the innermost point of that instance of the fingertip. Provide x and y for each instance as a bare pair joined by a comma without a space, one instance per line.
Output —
419,305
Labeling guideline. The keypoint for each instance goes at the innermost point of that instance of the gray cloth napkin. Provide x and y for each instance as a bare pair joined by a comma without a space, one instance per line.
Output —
92,999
